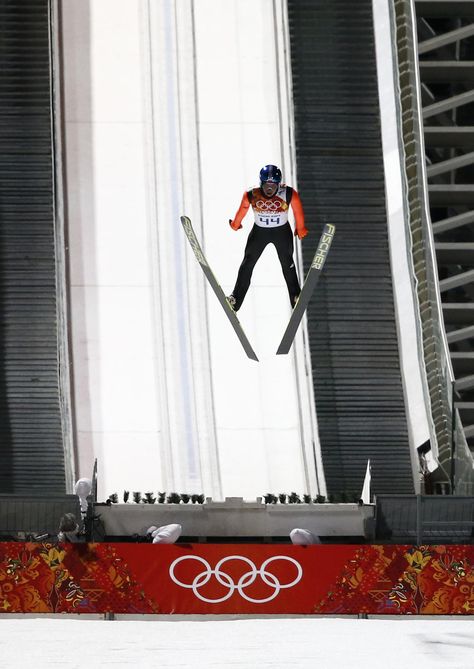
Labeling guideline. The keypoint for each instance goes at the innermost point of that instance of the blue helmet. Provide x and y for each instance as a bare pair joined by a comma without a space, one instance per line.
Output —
270,173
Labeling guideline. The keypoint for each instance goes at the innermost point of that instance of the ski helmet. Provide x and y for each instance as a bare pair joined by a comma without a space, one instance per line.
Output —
270,173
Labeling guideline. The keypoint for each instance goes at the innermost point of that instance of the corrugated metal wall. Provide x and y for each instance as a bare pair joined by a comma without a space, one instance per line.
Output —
31,451
352,329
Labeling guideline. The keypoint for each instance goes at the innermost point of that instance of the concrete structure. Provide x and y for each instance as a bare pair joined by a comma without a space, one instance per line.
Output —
236,518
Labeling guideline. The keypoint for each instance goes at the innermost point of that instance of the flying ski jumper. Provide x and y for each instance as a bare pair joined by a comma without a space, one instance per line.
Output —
270,203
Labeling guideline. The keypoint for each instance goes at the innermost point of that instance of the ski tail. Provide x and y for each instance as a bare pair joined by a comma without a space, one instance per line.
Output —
312,278
208,273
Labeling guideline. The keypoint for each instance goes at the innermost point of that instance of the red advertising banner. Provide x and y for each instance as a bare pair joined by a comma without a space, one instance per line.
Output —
230,578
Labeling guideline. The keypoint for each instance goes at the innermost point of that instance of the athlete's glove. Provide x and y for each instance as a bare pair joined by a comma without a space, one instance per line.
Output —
234,226
301,233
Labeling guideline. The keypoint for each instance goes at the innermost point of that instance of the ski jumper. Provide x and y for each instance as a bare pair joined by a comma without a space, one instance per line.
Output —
271,226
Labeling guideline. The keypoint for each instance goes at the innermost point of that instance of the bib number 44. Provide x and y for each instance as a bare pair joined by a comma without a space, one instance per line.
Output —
269,220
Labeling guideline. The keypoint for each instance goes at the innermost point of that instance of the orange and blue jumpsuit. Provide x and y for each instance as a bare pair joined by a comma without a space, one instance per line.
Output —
271,226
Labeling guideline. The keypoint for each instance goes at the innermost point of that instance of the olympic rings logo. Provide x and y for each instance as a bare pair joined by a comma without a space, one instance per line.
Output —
244,581
268,205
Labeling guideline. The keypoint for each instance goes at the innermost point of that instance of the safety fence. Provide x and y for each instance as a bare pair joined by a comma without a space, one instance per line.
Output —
424,519
28,516
236,579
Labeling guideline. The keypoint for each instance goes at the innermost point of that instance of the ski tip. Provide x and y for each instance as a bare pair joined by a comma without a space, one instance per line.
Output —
253,356
282,351
184,219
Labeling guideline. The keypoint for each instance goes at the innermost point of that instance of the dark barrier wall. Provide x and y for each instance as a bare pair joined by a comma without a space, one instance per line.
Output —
240,579
31,441
351,321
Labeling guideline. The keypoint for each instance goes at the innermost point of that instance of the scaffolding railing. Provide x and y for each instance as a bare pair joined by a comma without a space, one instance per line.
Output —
462,462
439,374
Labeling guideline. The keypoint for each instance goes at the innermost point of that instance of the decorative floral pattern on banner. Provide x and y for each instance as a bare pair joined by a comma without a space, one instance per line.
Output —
72,578
406,580
223,578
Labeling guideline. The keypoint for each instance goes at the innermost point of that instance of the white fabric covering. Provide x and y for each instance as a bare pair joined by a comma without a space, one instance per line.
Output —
166,534
303,537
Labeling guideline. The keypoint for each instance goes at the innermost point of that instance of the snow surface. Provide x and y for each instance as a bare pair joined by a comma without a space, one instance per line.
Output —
319,643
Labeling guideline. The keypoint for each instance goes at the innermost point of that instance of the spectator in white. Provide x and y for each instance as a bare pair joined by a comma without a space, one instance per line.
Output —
69,530
303,537
83,489
166,534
